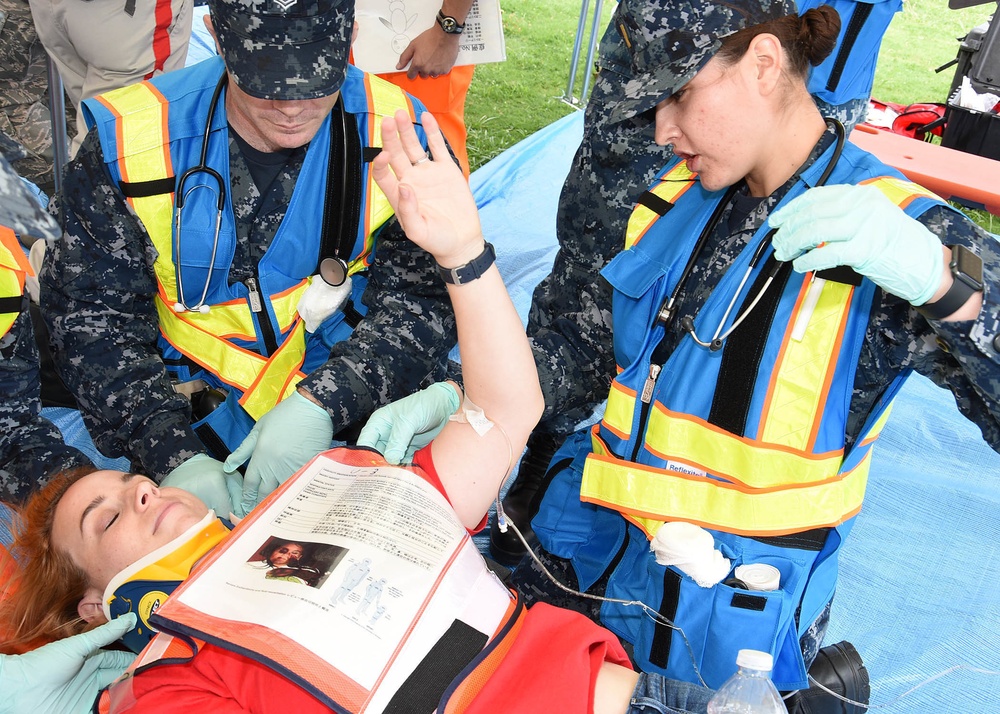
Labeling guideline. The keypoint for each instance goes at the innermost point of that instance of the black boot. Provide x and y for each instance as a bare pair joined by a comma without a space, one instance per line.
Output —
522,500
838,668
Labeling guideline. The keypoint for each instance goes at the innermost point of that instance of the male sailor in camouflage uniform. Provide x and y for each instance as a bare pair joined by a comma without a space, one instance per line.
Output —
149,301
31,448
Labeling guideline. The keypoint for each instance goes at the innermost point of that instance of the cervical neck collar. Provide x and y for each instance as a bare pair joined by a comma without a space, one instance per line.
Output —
143,586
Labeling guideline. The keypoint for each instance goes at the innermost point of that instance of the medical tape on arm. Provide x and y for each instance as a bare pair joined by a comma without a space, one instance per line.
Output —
473,415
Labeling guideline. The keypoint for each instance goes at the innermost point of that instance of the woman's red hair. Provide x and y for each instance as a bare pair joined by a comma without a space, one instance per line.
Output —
40,587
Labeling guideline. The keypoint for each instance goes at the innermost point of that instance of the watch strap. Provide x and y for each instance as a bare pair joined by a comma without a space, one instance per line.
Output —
960,291
472,270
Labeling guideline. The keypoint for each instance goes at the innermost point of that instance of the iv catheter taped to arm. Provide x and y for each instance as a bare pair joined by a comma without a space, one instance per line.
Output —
471,414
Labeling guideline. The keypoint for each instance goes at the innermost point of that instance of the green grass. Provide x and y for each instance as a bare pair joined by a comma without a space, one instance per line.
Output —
510,100
921,38
925,36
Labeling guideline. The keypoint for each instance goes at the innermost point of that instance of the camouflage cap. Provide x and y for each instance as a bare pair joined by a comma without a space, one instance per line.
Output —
670,40
285,49
19,209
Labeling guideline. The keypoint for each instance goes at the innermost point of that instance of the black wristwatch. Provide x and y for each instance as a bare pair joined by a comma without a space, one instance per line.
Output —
449,24
472,270
967,271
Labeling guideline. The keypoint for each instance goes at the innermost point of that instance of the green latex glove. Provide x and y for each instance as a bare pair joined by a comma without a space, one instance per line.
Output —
64,677
400,429
281,443
861,228
205,478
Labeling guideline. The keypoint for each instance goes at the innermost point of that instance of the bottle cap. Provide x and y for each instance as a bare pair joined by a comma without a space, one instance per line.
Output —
755,659
759,576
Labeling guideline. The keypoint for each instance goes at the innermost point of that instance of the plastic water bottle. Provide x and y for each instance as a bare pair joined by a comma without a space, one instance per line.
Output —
750,690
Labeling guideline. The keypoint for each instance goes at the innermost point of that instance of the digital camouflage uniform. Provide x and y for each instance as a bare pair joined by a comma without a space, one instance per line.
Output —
569,323
98,285
31,448
24,110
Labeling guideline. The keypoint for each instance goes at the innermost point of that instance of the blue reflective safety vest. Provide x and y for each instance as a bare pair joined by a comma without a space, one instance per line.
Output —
252,342
781,489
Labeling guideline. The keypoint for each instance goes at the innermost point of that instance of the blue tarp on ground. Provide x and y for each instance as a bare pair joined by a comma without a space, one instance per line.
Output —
916,592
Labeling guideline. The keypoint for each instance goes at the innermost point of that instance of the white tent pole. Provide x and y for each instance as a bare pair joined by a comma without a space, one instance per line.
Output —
568,96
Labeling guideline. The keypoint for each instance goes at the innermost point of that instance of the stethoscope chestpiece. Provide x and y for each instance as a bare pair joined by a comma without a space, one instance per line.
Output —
333,271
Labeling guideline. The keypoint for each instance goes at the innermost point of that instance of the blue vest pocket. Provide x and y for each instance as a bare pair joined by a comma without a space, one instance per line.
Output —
567,527
717,622
225,428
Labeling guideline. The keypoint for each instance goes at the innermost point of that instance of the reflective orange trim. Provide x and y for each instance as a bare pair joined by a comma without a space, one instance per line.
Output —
11,254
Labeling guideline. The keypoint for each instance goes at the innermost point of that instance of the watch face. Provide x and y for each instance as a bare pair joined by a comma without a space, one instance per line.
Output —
448,24
967,267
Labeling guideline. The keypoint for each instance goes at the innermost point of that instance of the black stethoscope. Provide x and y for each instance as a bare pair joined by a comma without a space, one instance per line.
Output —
182,194
666,312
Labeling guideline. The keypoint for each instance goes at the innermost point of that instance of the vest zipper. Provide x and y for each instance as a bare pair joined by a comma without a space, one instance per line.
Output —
657,359
646,397
254,296
263,320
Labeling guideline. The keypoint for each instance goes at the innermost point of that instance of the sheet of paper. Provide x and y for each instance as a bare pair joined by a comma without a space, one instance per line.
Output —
380,539
386,27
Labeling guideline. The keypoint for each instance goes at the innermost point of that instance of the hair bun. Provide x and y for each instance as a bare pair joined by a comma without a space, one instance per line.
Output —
818,33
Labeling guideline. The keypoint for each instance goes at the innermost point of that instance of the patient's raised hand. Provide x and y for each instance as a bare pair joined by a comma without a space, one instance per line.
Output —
430,195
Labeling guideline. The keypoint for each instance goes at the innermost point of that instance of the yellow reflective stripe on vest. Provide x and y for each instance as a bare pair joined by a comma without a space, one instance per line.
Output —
900,191
144,155
619,410
11,287
13,267
649,496
669,187
799,386
384,98
235,366
774,484
229,320
12,255
796,398
279,376
742,460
